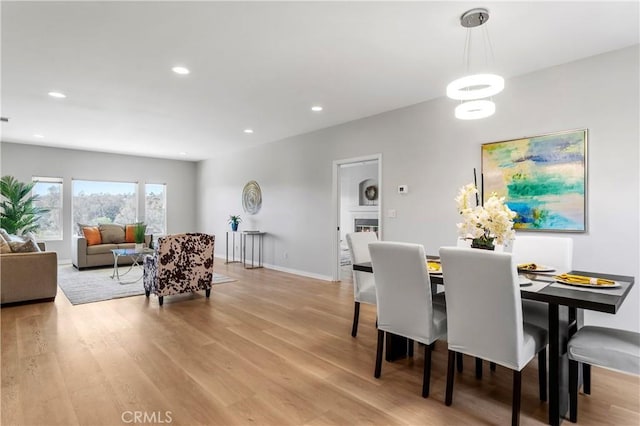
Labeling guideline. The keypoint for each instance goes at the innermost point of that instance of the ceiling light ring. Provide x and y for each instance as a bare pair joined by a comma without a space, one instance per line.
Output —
474,110
462,88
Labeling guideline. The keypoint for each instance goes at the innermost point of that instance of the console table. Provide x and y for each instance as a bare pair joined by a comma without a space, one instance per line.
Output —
233,247
253,235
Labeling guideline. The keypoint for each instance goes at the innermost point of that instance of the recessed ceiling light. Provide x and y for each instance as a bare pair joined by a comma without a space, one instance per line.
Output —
57,95
180,70
248,131
39,136
316,108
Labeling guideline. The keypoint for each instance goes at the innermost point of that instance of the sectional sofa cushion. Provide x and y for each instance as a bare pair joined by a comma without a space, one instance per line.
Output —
92,234
21,243
112,233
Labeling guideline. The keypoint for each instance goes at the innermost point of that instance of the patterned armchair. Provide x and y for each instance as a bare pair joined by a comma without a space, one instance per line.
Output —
181,263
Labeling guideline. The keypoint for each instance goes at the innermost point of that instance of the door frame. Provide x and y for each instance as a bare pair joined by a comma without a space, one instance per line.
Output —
335,207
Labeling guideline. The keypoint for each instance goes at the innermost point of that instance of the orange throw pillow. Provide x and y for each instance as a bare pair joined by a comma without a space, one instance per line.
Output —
92,234
129,231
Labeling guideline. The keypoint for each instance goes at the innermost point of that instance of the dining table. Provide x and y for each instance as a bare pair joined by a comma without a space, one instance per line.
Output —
543,287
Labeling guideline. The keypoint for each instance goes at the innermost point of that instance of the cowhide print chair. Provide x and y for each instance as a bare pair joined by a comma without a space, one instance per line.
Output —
181,263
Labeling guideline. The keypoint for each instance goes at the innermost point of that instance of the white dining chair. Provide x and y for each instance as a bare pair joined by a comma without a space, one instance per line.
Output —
606,347
555,252
484,317
364,288
405,308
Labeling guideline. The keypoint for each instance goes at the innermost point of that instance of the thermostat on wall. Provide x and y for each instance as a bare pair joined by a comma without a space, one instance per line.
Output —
403,189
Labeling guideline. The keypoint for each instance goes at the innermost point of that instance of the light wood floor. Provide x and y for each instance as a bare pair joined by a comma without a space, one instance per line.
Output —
271,349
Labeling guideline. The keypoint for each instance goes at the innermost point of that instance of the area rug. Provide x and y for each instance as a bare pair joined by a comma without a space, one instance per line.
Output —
96,285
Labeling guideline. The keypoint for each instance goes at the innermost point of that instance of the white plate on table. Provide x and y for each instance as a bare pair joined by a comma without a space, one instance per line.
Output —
539,268
615,285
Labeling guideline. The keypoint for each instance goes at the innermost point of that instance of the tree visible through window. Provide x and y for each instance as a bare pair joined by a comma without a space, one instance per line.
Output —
96,202
49,192
155,207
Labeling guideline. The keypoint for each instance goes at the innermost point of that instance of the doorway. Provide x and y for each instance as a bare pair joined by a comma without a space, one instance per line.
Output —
357,205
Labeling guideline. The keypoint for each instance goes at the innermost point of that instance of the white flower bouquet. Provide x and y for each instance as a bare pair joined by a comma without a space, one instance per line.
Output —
486,224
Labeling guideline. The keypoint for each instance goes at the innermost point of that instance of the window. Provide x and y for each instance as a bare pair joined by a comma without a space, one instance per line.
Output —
49,192
96,202
155,207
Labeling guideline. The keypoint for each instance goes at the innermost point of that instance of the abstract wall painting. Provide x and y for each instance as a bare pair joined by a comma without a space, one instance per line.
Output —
543,179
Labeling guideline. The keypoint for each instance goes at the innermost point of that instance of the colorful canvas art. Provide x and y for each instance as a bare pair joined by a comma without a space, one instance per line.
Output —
543,179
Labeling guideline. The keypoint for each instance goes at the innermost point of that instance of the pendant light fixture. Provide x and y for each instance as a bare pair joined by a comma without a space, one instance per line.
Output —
476,87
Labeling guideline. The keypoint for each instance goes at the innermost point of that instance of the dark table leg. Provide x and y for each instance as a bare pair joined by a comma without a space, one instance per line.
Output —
558,368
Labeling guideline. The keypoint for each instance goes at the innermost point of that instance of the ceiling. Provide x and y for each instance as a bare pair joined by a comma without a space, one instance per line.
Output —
259,65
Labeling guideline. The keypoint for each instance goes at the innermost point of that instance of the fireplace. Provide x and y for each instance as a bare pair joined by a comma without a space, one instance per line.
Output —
365,225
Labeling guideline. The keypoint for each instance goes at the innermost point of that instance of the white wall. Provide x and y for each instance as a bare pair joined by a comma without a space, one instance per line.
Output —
26,161
425,147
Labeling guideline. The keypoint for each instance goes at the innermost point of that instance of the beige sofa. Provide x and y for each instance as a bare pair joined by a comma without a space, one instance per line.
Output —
28,276
84,256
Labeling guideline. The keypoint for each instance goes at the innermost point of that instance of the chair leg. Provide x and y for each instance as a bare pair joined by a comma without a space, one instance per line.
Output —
492,366
517,392
160,300
573,390
426,378
207,292
356,316
448,399
586,378
459,361
147,293
478,368
542,373
376,373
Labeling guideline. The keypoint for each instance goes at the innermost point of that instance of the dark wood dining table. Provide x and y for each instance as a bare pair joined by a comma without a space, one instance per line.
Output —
557,298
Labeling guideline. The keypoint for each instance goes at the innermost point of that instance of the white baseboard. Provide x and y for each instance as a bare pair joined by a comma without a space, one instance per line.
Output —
291,271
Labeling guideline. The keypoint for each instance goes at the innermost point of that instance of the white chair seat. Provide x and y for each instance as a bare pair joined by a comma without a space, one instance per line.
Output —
606,347
405,306
484,310
364,284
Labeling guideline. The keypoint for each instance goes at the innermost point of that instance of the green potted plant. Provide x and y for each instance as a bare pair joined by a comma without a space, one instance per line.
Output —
19,214
234,220
138,235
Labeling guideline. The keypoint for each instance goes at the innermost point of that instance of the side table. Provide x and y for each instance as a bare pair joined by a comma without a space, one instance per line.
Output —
253,235
233,247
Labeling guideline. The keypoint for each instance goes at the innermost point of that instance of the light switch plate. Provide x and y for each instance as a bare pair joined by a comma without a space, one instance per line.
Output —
403,189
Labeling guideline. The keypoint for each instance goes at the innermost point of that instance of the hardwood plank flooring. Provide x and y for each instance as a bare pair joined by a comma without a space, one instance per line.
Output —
271,348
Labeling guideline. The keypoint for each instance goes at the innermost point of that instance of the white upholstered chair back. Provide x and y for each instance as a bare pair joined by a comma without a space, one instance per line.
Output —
403,290
484,311
363,282
556,252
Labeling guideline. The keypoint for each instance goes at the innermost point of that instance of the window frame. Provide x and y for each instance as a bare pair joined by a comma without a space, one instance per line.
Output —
164,203
51,180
